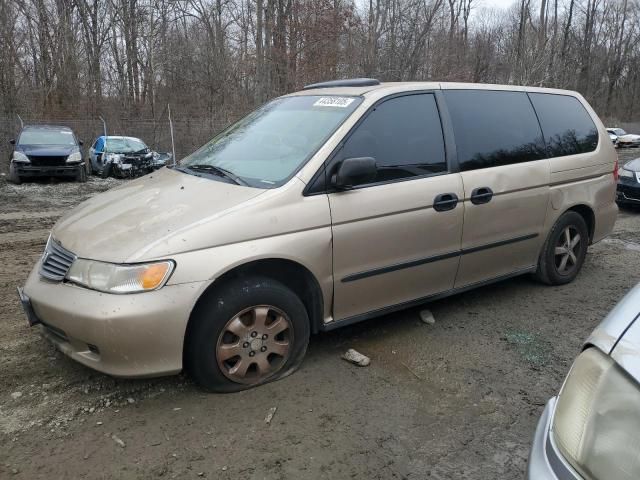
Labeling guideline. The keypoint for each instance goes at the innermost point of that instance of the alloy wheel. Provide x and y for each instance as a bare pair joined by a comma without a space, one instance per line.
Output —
254,344
567,250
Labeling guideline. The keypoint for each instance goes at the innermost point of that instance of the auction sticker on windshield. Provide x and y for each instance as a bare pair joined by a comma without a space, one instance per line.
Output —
340,102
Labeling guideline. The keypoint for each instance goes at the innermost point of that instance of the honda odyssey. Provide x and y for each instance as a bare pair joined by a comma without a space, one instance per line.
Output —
325,207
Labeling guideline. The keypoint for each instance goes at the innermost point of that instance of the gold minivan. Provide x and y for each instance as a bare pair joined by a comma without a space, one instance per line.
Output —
345,201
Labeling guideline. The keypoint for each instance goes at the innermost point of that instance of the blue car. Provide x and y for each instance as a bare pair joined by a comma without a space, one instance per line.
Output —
46,151
123,157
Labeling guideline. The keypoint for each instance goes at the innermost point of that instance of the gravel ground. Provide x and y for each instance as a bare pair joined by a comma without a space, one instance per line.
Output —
457,399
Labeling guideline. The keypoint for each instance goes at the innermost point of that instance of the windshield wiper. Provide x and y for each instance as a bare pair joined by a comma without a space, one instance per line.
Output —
218,171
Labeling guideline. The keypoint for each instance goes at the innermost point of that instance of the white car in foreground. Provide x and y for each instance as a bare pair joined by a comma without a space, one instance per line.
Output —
591,430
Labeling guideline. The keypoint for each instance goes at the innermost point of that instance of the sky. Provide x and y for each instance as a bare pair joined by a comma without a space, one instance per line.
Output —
504,4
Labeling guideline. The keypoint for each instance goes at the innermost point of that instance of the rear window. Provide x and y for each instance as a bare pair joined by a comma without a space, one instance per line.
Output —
494,128
567,126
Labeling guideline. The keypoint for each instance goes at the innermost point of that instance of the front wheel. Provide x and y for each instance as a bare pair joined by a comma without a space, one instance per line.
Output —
246,333
106,170
564,251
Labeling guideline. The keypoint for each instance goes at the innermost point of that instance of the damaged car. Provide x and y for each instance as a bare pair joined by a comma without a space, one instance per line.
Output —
46,151
123,157
329,206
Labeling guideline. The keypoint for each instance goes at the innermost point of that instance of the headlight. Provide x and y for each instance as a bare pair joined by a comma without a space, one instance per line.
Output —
74,157
623,172
114,278
597,419
20,157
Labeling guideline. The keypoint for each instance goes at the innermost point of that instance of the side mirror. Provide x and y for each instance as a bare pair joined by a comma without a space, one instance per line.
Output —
354,171
80,142
12,141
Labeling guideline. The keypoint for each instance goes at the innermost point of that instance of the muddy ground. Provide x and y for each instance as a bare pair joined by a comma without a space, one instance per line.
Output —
458,399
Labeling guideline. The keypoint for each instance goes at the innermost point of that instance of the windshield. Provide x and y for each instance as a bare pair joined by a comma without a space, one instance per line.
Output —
619,131
47,137
125,145
265,148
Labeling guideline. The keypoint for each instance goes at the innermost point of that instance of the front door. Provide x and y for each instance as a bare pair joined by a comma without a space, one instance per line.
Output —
396,239
502,159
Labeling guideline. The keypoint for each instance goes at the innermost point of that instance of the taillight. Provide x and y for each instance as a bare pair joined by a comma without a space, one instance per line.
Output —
615,171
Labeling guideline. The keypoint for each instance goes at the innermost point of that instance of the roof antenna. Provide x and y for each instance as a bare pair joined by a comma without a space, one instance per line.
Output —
173,147
21,122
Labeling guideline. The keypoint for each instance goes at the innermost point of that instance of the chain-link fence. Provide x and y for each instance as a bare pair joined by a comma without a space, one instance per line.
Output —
189,133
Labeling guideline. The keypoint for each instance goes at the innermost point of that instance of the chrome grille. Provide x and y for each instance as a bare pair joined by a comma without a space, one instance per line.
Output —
56,261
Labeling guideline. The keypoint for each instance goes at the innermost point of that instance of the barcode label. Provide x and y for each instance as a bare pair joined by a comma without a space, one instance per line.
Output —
340,102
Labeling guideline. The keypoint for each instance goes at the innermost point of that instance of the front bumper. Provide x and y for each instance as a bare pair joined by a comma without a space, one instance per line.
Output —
545,461
26,170
628,192
137,335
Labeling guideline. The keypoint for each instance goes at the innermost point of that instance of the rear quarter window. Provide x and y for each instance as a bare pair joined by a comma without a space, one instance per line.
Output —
494,128
567,126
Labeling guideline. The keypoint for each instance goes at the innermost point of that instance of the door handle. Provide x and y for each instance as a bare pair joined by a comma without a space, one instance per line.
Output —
445,201
481,195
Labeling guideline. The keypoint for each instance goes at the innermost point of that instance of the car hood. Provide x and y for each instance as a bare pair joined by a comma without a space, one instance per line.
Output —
121,224
47,150
633,165
619,333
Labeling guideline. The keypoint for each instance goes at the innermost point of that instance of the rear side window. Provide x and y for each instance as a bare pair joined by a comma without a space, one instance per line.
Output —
494,128
568,129
404,135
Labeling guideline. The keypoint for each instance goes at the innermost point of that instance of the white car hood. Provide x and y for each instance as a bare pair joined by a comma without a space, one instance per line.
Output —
619,333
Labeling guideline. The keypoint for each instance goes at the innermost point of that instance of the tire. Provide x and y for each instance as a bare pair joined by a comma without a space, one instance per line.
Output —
13,176
106,170
239,305
81,175
551,269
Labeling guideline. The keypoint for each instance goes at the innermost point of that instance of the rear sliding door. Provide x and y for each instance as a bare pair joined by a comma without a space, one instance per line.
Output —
502,160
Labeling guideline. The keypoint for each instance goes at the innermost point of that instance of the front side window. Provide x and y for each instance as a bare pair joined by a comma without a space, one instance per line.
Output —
494,128
267,147
404,136
47,137
568,129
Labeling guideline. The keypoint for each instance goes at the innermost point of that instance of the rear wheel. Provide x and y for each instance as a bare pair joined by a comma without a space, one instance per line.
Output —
564,251
13,174
248,332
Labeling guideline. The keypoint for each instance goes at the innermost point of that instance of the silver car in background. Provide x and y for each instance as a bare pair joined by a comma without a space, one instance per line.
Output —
591,430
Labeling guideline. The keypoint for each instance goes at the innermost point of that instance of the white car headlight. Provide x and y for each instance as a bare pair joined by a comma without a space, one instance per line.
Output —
115,278
20,157
623,172
596,424
74,157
